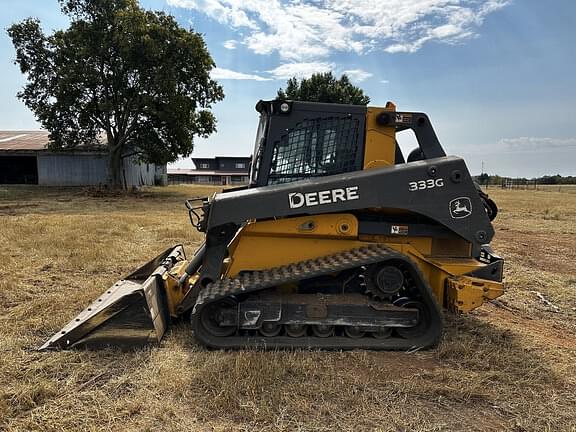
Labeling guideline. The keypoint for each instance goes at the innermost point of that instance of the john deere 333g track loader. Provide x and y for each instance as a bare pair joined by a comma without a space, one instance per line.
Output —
336,243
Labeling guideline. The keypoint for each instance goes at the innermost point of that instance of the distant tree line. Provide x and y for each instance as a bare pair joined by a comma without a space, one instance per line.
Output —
486,179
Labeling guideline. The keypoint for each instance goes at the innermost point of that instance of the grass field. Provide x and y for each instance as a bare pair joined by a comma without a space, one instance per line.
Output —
510,365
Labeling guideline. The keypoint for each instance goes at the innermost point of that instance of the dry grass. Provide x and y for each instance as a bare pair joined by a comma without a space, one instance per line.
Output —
507,366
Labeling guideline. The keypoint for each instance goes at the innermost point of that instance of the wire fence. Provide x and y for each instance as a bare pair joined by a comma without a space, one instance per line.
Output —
520,184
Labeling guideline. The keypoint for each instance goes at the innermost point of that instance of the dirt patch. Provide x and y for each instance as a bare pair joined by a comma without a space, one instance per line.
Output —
547,332
14,209
551,253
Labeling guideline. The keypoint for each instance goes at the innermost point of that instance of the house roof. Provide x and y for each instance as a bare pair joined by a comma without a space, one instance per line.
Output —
216,158
222,157
187,171
233,157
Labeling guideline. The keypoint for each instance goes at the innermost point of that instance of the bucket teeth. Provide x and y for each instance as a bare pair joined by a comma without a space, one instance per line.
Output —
130,314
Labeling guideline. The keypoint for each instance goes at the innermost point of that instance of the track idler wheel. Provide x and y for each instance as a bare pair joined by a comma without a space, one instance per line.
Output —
213,318
423,321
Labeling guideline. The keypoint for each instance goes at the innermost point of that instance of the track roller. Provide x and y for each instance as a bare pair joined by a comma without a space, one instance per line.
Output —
354,332
296,330
323,330
270,329
383,333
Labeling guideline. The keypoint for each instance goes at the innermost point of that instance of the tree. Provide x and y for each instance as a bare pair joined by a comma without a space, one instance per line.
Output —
324,87
121,73
483,178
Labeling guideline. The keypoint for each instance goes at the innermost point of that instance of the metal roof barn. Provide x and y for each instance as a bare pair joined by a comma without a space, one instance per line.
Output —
24,159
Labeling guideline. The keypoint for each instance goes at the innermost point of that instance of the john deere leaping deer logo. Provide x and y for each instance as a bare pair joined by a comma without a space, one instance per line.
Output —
460,207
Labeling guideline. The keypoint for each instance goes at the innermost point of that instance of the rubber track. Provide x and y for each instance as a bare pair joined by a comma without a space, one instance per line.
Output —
259,280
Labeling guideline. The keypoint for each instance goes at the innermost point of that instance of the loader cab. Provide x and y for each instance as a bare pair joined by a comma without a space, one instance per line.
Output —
299,140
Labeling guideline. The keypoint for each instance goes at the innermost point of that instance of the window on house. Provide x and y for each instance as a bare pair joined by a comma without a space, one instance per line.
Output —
204,165
240,165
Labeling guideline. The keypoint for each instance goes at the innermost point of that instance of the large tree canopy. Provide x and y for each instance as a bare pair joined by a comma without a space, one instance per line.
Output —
121,72
324,87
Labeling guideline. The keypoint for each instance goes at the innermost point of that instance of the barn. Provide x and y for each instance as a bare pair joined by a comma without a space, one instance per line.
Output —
24,159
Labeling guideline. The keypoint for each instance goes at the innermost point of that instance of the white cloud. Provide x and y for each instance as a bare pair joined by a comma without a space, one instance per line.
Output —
227,74
230,44
286,71
541,144
357,75
304,32
300,70
297,31
384,82
219,10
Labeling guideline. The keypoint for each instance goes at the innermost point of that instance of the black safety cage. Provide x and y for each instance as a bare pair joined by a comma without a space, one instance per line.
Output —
298,140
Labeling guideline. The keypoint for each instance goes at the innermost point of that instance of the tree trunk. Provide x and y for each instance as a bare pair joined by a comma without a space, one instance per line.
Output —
115,168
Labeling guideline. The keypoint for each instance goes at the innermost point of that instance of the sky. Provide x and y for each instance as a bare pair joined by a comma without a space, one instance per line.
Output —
496,77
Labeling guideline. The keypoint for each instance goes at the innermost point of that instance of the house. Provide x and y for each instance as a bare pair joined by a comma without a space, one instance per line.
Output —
220,170
25,159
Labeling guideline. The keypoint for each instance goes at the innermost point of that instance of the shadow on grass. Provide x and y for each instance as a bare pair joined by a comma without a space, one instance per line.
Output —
477,367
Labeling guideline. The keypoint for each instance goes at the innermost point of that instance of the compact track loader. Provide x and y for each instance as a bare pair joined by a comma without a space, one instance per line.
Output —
336,243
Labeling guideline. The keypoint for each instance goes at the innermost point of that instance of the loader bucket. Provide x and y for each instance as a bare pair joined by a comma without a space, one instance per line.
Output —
131,313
